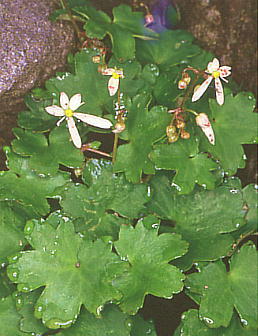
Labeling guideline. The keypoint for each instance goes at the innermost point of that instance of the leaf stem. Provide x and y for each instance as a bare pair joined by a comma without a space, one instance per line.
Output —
238,242
116,134
115,148
70,14
191,111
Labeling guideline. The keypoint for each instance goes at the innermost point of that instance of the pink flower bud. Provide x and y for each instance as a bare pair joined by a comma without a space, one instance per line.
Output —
182,84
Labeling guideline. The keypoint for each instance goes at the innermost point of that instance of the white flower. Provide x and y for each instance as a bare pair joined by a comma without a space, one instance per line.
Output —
113,82
216,72
66,111
202,120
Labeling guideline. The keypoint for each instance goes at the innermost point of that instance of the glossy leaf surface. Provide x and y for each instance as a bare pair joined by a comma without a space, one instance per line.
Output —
144,128
221,291
73,271
149,271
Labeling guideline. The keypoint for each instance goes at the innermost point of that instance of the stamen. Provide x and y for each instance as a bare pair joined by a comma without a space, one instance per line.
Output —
115,75
68,113
216,74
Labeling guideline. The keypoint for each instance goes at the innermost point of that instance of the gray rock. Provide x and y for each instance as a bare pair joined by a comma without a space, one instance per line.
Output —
32,48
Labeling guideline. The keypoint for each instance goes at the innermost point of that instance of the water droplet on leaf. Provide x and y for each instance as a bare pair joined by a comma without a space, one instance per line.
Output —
244,322
29,227
19,302
38,311
208,320
128,323
23,288
13,274
99,309
57,323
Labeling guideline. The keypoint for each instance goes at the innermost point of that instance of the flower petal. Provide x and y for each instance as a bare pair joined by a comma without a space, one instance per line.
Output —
60,121
93,120
225,71
64,100
202,120
200,91
108,71
55,110
74,132
113,84
219,91
75,102
213,66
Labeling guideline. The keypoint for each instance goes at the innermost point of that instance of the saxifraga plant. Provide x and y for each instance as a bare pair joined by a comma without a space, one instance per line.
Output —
88,229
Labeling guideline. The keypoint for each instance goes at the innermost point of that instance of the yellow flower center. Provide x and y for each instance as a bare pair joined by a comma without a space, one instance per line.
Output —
68,113
216,74
115,75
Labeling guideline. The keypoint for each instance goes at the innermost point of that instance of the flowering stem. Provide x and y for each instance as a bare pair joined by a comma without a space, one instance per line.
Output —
116,134
115,148
189,91
191,111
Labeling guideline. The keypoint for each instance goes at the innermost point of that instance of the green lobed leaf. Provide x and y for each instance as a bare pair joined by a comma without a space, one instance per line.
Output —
31,189
221,291
149,271
172,48
203,218
191,166
73,271
6,286
87,81
36,117
25,303
9,318
44,154
234,123
108,201
125,26
140,327
11,230
111,322
251,205
166,88
144,127
191,324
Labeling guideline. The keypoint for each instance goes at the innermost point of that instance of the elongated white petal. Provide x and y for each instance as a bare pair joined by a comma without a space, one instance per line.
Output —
200,91
55,110
219,91
224,79
64,100
74,132
213,66
202,120
75,102
113,84
93,120
108,71
59,121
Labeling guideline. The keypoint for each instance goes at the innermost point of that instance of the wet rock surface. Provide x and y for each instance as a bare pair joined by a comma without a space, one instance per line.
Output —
32,49
229,30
